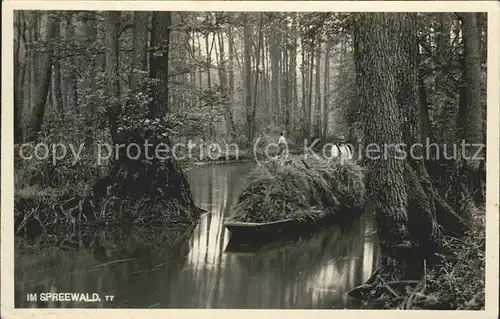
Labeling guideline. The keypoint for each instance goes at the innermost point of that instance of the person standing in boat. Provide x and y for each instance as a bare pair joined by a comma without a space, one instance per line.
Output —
282,145
341,150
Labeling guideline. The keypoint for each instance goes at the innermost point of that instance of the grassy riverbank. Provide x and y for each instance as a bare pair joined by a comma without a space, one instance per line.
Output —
458,282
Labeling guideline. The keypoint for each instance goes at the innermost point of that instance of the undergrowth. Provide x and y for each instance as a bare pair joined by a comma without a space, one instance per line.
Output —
458,282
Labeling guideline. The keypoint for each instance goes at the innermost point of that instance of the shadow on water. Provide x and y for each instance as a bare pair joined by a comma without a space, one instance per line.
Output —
190,268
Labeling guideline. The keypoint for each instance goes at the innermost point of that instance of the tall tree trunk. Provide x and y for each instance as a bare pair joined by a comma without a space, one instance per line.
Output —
208,60
112,26
88,83
270,111
471,129
378,99
231,62
326,93
275,75
265,82
317,94
310,116
425,122
192,74
200,70
44,80
139,41
291,83
227,94
404,202
257,64
471,114
160,40
293,71
285,89
160,180
56,78
247,79
303,84
34,65
19,72
72,80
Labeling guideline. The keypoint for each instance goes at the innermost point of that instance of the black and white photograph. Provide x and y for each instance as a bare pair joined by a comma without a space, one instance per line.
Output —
251,159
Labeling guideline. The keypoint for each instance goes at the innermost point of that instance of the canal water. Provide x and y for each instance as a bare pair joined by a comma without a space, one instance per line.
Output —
191,268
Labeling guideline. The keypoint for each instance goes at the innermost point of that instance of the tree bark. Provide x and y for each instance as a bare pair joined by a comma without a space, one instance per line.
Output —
425,122
227,94
326,93
43,82
112,25
231,62
208,60
471,129
378,98
160,40
88,84
291,80
19,74
317,94
56,78
406,207
247,79
293,71
34,65
275,75
72,78
257,72
139,41
310,97
304,86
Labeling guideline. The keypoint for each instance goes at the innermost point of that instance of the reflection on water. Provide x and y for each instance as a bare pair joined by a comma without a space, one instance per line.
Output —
189,268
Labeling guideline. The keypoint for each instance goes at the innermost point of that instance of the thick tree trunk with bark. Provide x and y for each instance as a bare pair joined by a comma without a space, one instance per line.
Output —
425,122
34,36
42,83
407,208
471,129
152,186
139,41
19,72
377,93
160,40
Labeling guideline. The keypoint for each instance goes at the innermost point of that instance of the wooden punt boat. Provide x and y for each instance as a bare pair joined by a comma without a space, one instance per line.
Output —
254,234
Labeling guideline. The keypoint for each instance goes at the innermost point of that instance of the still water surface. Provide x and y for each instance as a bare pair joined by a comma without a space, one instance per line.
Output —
179,268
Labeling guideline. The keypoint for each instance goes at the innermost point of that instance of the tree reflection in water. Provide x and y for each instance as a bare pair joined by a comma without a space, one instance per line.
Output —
189,268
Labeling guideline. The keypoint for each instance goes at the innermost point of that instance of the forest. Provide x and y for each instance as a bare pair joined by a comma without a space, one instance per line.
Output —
86,78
